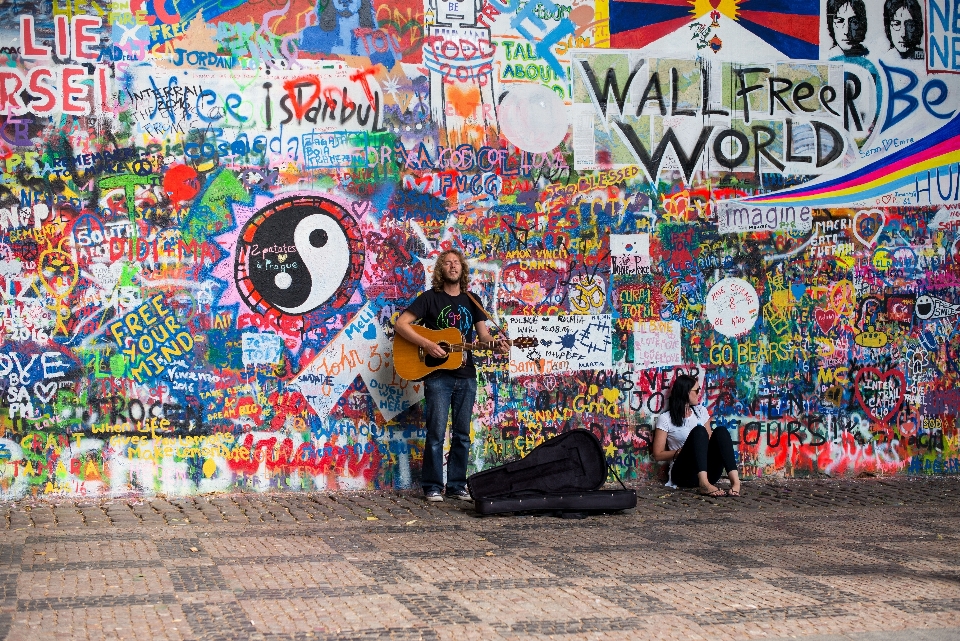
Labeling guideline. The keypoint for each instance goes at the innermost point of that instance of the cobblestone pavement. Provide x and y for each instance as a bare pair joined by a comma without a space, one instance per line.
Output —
867,559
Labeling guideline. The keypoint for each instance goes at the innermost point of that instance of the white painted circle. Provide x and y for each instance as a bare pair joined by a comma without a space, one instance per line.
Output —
532,117
732,307
283,280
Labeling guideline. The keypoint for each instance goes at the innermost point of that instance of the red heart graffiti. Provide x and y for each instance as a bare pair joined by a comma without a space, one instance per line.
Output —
881,394
826,319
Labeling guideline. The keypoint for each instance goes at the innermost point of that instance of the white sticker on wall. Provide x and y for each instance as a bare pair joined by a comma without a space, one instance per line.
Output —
564,343
630,254
630,245
732,307
656,344
533,117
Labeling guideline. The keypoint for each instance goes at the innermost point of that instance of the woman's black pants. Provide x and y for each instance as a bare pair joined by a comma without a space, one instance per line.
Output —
702,453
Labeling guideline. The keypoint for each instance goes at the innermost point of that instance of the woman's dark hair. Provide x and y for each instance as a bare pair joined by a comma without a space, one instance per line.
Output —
913,36
679,397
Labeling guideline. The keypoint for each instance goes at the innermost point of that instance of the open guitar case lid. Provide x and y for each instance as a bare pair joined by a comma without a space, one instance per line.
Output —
563,474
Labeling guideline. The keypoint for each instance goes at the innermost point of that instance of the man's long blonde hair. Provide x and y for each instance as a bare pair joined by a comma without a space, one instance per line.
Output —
437,281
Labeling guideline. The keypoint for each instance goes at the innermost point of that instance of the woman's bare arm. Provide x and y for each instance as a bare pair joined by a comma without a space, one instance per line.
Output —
660,453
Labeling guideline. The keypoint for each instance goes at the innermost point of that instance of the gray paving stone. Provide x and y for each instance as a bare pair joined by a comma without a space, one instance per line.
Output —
74,603
10,555
94,564
316,592
634,601
813,589
6,618
387,571
179,548
435,609
219,622
374,634
575,627
921,606
771,614
8,587
197,579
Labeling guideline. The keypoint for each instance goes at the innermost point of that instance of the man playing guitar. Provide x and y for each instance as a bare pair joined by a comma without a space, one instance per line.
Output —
448,393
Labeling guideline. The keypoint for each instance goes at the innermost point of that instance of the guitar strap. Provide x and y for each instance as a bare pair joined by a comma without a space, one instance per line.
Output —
486,313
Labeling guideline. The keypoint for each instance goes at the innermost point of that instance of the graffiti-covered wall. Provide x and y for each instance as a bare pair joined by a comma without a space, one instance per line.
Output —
212,212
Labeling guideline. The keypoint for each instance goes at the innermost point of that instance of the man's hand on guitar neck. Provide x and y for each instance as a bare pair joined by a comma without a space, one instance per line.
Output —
499,344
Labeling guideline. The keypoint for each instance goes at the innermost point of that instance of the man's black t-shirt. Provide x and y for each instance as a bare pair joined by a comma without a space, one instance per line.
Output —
440,310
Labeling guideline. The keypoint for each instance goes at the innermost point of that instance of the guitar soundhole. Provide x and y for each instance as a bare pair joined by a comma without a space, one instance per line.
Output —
431,361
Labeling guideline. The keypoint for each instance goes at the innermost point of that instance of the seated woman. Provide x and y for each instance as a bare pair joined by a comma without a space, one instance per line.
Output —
697,454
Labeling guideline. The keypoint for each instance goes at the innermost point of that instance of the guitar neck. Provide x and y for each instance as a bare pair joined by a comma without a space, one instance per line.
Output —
467,347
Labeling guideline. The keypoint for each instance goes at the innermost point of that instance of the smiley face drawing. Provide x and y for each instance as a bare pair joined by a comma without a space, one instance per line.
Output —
297,255
930,307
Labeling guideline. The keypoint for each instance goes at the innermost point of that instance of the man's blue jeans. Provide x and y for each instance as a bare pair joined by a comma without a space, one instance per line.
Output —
447,396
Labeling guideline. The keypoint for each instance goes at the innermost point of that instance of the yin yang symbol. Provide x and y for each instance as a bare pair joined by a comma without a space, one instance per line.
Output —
297,255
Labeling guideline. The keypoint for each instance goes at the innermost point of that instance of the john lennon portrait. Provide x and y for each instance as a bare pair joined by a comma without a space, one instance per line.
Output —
903,23
847,24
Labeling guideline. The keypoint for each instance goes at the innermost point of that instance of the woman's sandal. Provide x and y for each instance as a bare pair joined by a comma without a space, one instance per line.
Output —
717,493
733,493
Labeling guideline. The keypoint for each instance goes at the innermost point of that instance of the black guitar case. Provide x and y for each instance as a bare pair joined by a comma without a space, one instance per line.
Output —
563,474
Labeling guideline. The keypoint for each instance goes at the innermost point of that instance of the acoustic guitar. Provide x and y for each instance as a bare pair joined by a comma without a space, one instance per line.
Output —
412,362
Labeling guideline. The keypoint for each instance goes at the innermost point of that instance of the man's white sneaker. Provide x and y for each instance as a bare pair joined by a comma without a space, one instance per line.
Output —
433,497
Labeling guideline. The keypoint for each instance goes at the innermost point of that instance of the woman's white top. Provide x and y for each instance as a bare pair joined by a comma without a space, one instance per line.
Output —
677,434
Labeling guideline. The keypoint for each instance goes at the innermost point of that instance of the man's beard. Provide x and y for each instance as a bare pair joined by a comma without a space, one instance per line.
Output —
452,281
346,13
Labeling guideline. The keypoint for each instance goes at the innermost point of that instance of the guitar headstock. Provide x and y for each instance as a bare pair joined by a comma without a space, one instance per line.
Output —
524,342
